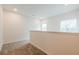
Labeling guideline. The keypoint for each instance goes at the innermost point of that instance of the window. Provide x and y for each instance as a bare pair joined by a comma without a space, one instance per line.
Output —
40,25
68,25
44,27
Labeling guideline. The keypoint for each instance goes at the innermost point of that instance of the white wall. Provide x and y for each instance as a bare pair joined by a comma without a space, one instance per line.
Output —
15,27
56,42
53,22
1,27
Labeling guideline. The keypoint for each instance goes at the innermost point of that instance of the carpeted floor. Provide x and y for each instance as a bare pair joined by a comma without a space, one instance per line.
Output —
27,49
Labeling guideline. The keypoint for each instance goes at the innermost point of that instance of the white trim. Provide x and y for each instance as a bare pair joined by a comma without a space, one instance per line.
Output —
27,41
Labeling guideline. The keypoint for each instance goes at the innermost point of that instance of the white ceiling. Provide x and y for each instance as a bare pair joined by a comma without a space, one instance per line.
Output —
41,10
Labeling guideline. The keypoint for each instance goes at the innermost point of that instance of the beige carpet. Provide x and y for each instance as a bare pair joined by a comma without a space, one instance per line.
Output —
27,49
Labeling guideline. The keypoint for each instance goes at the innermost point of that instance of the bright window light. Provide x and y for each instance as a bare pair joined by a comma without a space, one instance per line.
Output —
68,25
44,27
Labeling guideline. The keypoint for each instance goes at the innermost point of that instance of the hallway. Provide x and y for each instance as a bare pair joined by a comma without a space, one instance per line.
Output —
39,29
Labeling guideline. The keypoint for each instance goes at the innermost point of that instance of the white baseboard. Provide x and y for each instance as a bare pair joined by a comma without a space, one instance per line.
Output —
15,41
